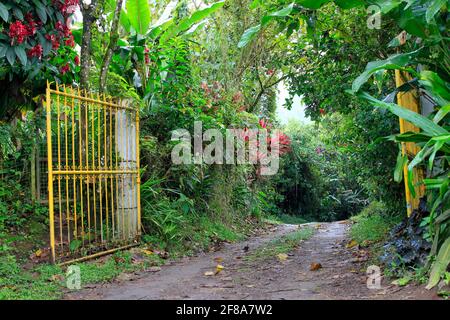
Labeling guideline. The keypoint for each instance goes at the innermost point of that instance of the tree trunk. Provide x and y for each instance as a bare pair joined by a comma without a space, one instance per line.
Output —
114,36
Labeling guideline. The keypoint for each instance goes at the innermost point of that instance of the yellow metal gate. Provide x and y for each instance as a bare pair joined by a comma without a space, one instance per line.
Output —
93,174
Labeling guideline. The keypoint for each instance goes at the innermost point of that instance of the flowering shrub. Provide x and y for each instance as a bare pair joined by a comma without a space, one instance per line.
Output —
35,39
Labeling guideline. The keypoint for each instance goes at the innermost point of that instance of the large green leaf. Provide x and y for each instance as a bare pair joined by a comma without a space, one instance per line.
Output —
187,23
397,61
312,4
387,5
11,56
138,12
251,33
416,119
4,14
440,265
401,162
248,36
21,54
441,113
434,7
40,10
348,4
437,87
125,21
277,14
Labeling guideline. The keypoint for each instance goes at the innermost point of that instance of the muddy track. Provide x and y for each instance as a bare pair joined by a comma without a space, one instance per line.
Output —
342,276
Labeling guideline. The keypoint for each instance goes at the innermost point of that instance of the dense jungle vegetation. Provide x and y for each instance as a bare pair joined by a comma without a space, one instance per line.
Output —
222,62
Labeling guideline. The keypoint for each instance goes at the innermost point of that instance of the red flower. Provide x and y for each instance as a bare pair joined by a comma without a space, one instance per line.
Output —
147,57
18,31
54,39
29,17
284,143
31,28
36,51
59,26
70,42
263,123
65,69
322,111
77,60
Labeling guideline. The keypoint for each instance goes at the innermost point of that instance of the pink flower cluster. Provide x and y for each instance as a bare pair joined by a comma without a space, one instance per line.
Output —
276,142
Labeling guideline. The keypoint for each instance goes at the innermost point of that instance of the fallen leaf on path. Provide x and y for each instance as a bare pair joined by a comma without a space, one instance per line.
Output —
208,273
315,266
57,278
282,257
147,251
219,268
351,244
218,259
38,253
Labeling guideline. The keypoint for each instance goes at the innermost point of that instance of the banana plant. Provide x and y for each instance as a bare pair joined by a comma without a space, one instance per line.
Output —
144,39
434,140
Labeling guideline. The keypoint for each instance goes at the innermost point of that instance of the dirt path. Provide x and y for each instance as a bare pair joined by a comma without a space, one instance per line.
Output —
342,276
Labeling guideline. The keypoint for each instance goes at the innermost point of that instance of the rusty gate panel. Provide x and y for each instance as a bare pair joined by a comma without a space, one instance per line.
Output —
93,174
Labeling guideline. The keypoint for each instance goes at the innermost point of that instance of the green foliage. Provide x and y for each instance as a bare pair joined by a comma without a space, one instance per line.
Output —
47,282
428,24
138,13
337,168
373,223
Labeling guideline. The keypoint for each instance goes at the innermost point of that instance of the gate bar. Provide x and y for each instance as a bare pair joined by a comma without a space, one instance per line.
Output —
50,174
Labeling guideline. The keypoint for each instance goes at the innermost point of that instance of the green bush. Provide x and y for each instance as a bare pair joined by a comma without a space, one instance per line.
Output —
373,223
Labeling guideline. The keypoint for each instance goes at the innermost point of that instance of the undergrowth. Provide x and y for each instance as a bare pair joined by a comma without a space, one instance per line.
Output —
372,224
48,282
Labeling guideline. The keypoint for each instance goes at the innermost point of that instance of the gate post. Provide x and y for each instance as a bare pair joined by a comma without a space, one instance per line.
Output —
126,146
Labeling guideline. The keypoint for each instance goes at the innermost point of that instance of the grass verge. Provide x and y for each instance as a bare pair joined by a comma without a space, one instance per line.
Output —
282,244
370,229
286,219
48,282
